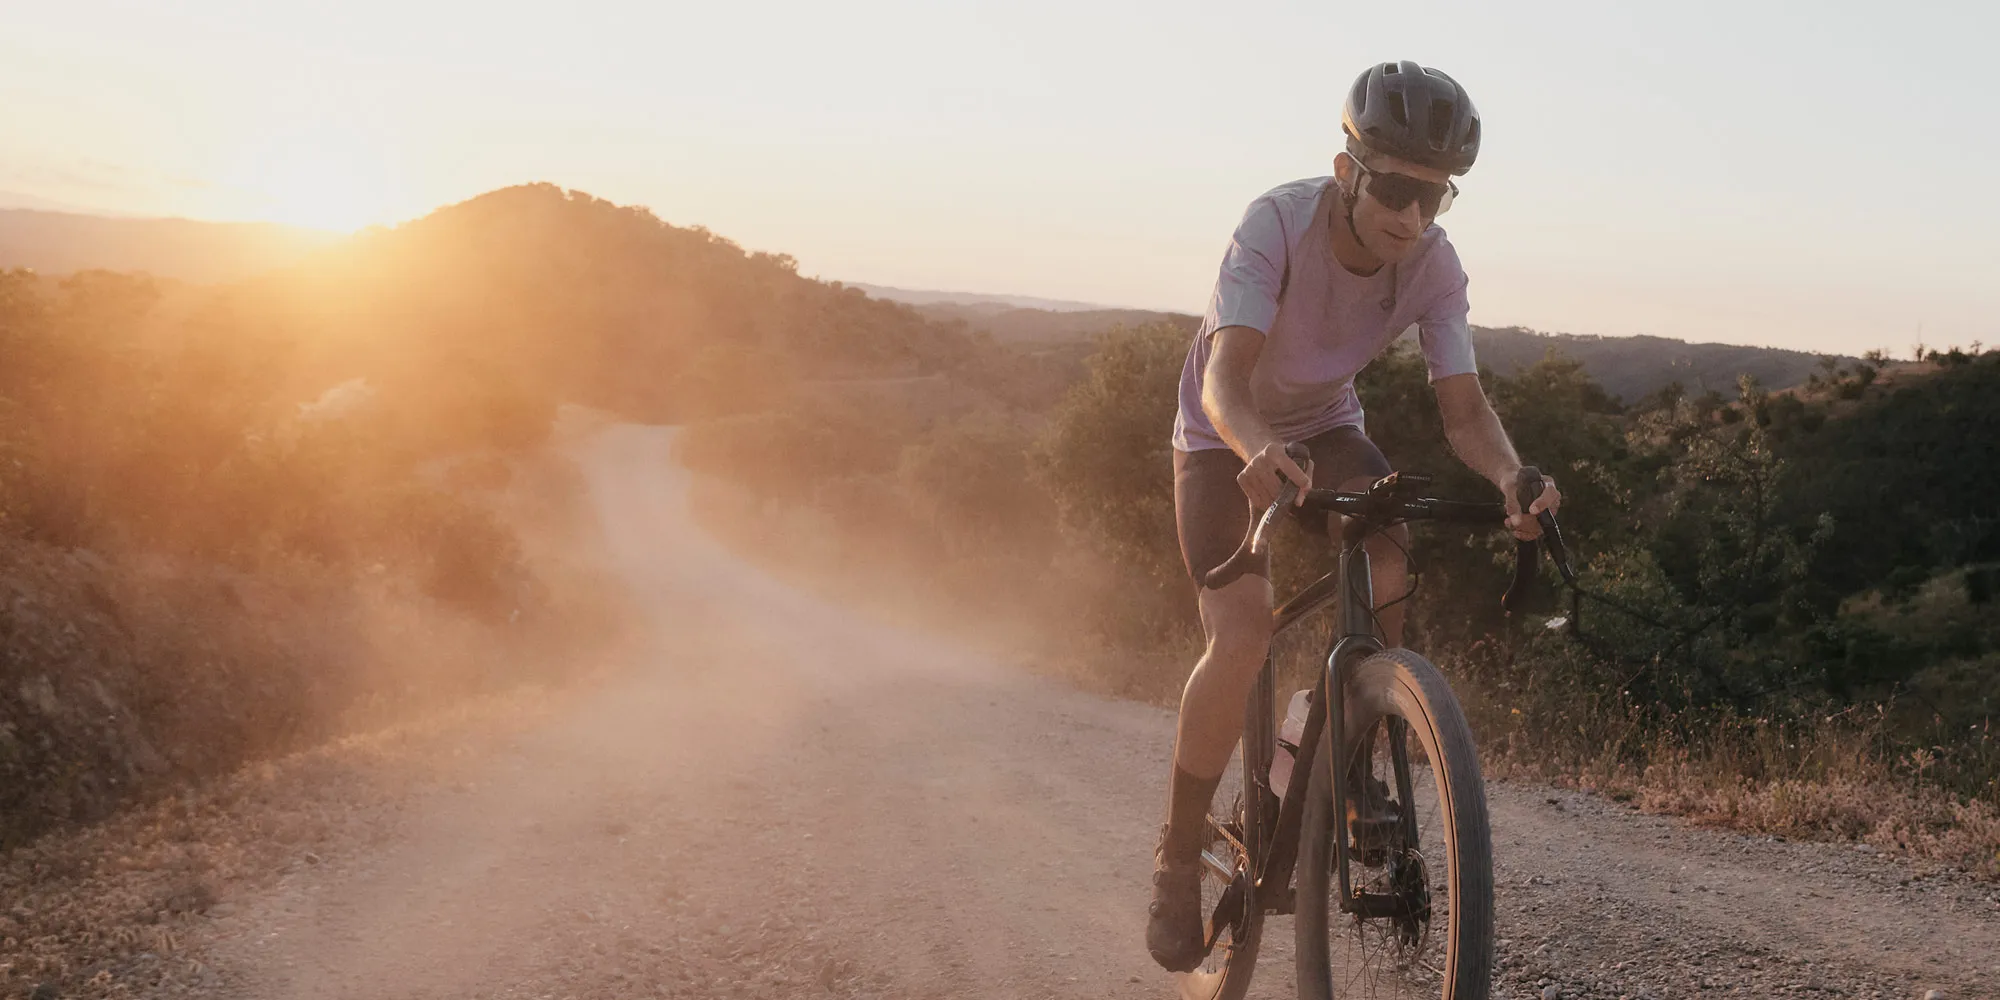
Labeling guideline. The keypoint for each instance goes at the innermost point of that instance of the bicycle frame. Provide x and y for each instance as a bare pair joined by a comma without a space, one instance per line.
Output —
1272,825
1354,639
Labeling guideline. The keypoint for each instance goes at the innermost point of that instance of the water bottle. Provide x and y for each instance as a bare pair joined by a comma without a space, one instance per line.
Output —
1290,732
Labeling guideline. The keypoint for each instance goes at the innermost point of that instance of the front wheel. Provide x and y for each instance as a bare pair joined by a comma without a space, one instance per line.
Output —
1427,875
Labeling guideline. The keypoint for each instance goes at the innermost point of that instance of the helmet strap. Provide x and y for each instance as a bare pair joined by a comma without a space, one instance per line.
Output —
1347,202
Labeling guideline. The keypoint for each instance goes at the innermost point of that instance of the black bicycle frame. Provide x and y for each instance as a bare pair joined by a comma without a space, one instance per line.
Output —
1273,841
1353,640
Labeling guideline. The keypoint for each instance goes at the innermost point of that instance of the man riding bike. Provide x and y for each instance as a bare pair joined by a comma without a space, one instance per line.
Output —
1320,278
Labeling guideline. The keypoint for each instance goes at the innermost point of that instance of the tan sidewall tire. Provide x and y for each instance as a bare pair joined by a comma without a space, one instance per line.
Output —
1401,683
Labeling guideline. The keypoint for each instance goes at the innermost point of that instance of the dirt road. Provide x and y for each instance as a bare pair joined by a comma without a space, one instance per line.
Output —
785,800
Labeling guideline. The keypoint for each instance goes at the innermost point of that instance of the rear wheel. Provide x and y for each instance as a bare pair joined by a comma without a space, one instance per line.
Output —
1430,874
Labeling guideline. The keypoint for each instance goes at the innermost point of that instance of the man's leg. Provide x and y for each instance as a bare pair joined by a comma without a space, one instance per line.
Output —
1237,619
1212,517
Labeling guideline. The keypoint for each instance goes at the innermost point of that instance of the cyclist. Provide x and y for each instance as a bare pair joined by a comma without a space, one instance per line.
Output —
1321,276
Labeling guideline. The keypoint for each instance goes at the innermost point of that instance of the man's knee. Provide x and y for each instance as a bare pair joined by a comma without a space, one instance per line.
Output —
1238,620
1390,545
1389,561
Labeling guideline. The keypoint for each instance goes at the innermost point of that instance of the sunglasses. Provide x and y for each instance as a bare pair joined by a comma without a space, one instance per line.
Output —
1397,191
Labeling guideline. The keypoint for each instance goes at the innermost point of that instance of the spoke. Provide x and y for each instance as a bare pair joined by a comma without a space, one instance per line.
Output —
1223,870
1223,832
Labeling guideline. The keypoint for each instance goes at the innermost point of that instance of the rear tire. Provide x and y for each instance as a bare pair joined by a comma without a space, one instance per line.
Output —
1448,954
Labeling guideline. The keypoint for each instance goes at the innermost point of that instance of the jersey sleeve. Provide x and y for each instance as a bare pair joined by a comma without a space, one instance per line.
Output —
1253,268
1443,331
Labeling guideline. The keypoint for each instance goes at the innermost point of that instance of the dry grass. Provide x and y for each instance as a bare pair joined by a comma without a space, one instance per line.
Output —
1830,781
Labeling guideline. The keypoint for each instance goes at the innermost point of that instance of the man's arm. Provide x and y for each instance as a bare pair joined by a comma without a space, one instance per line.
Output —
1477,438
1230,406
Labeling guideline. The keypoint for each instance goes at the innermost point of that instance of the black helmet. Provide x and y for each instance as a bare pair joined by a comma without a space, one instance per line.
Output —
1413,113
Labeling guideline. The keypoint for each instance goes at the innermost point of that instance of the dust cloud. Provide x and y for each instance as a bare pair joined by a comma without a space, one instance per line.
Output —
777,798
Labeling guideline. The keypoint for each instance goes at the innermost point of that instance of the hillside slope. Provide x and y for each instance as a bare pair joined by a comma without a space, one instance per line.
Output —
1627,367
554,294
182,249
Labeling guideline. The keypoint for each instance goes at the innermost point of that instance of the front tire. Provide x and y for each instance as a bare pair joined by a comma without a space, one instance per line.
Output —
1448,952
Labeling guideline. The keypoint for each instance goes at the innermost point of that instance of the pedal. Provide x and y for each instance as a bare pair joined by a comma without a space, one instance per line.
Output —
1228,912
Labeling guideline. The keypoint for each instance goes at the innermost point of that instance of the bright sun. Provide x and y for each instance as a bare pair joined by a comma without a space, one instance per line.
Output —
326,178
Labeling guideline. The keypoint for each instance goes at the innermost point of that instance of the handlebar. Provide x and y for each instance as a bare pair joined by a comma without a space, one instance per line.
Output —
1392,499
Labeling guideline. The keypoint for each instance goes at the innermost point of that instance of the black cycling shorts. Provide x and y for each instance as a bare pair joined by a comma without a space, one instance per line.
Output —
1212,514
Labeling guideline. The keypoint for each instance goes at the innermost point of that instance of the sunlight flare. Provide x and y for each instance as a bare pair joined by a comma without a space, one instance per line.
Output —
322,176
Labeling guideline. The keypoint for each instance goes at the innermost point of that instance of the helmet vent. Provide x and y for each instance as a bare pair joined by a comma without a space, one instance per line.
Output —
1440,122
1396,109
1472,135
1391,69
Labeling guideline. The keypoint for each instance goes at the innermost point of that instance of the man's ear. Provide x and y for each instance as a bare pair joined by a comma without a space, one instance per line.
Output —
1345,173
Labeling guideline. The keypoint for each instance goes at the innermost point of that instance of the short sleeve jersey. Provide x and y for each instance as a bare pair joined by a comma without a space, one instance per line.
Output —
1321,322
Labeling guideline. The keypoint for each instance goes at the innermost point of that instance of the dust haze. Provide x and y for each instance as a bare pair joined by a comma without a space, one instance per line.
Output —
778,797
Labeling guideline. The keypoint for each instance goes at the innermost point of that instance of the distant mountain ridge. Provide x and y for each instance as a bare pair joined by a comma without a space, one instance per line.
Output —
1633,367
977,302
184,249
1627,367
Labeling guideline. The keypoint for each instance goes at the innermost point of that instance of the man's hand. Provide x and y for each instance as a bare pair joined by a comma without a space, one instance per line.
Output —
1267,471
1524,526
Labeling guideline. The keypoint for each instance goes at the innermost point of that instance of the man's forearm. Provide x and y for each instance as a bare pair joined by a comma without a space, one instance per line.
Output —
1475,434
1226,398
1234,414
1482,444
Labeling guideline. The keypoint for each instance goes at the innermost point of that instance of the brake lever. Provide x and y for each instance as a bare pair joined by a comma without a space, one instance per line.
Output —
1287,497
1288,494
1527,561
1558,552
1254,544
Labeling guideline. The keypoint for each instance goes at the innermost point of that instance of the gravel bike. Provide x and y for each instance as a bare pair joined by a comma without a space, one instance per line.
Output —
1402,905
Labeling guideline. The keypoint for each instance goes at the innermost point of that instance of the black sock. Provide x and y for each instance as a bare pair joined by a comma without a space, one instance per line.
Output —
1188,799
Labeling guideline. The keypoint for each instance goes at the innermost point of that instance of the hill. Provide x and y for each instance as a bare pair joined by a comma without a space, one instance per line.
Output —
183,249
1632,367
1627,367
556,295
977,301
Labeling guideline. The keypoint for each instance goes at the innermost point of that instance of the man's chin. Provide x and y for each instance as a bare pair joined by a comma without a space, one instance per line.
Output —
1391,250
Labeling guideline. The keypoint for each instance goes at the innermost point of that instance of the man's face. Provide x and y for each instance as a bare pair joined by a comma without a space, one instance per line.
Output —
1386,233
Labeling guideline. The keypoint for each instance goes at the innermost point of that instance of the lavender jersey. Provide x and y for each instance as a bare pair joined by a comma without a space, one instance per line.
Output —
1322,323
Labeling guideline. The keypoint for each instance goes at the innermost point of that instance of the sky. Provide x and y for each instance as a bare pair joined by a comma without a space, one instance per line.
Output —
1815,176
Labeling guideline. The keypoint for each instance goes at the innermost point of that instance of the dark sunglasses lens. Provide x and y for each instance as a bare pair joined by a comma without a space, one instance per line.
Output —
1396,191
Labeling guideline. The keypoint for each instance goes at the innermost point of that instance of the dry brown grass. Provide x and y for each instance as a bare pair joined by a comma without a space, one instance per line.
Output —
1831,781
